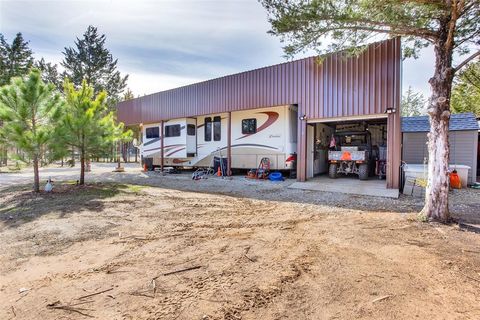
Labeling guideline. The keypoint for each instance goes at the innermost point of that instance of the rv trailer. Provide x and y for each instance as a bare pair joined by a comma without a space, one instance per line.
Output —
255,134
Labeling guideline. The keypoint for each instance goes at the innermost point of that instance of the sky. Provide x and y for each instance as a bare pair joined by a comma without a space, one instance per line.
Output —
166,44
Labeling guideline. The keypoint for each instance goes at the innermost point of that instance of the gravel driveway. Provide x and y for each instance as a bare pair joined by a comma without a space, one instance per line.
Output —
464,204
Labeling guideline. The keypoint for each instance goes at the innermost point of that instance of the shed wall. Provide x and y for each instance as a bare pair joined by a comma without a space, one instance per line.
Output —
414,147
462,149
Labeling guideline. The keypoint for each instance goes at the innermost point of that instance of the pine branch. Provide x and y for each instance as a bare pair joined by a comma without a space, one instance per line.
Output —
466,61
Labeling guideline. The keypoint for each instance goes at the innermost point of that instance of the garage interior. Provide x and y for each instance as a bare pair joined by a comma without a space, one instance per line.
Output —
366,138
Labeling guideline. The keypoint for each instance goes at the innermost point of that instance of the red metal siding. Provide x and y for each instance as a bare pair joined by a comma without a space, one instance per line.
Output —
338,86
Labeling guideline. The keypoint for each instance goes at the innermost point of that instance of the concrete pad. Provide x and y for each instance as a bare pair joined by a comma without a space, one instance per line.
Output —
349,185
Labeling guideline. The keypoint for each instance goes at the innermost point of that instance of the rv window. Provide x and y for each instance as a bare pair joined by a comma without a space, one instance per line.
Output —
191,129
217,128
208,129
249,126
152,133
172,131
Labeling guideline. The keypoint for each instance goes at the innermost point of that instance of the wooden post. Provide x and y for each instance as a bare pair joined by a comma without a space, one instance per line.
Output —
162,146
229,145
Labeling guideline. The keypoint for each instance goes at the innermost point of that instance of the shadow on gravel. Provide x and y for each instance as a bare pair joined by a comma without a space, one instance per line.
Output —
19,205
26,206
469,221
464,204
265,190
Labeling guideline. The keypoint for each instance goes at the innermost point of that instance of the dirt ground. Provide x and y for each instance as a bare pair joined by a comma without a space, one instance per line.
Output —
255,251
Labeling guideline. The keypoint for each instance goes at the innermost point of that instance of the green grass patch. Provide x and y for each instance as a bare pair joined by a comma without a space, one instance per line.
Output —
134,188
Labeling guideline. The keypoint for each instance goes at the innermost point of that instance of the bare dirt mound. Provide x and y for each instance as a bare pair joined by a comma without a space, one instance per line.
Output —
127,252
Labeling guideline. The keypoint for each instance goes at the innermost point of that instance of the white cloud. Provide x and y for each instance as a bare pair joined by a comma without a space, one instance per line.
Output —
145,83
417,72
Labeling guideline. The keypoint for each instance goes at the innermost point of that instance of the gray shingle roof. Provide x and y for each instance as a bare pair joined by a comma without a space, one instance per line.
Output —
458,122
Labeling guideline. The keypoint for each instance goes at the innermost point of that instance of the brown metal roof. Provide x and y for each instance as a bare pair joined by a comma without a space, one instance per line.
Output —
339,86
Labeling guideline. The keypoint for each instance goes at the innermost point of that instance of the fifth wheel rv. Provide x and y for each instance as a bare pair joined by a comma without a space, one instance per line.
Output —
255,134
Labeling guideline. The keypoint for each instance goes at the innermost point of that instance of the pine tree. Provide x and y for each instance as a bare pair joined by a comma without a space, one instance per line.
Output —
90,60
128,95
15,59
30,111
50,73
466,90
413,103
87,124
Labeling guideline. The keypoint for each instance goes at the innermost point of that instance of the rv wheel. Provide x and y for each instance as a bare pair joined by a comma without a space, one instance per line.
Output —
363,172
332,171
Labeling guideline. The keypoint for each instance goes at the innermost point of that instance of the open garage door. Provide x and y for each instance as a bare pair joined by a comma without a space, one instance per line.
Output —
348,149
355,149
348,155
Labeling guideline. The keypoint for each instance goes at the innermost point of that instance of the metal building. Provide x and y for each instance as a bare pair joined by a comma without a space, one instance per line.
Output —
337,88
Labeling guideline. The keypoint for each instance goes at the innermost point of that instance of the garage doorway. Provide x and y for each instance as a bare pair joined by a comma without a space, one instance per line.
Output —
348,149
354,137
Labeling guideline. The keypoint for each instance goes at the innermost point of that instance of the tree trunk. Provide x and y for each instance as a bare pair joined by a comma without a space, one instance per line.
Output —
119,154
36,177
82,168
436,195
3,155
73,157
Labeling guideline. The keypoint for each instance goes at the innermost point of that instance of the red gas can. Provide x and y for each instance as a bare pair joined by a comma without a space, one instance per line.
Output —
455,181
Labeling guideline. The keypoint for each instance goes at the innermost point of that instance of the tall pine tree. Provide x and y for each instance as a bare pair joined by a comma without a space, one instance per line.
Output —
30,110
87,125
90,60
15,59
50,73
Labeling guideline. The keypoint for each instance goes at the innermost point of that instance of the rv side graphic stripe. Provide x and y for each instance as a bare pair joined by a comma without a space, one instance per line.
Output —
177,161
169,154
165,147
251,145
152,141
272,117
224,148
247,145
